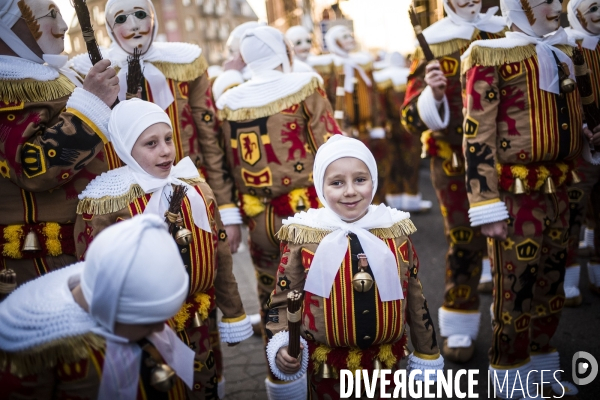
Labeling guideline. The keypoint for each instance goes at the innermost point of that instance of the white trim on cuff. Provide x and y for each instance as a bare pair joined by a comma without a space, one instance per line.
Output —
295,390
92,107
235,332
231,216
278,341
429,112
415,362
488,213
458,323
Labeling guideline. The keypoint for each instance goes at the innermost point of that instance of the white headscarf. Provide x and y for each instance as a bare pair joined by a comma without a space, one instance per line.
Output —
134,274
350,65
9,15
333,247
128,120
235,37
589,40
263,49
544,46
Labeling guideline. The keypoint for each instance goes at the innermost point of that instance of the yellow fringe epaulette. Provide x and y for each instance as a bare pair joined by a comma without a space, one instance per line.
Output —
324,69
109,204
444,48
271,108
366,67
31,90
301,234
193,181
382,86
48,355
496,56
183,72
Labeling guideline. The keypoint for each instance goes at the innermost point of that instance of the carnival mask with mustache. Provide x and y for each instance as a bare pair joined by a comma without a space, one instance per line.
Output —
300,39
132,24
345,40
468,10
46,24
543,15
588,14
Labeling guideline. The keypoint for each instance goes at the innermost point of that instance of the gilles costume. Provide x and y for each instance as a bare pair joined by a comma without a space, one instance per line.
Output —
401,175
588,171
441,129
273,125
344,328
361,112
53,348
522,134
52,140
122,193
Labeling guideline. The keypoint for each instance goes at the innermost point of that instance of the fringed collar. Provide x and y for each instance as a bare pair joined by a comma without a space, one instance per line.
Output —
24,80
267,95
391,77
42,326
446,29
307,227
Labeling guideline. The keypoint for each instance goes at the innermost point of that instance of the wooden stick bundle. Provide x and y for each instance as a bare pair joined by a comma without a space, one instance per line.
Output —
294,314
584,84
134,73
172,216
419,34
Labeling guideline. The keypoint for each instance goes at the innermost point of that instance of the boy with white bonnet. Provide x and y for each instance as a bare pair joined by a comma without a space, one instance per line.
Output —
96,329
143,140
326,253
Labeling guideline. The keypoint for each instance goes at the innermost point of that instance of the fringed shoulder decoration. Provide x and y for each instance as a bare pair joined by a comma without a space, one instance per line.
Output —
496,56
302,234
109,204
193,181
270,108
183,72
383,86
32,91
50,354
323,69
444,48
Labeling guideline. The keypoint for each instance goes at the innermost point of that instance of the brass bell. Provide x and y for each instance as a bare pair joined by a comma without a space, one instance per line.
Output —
183,237
376,367
549,187
575,178
567,85
518,187
326,372
362,281
8,281
161,377
423,152
31,242
197,321
300,206
455,161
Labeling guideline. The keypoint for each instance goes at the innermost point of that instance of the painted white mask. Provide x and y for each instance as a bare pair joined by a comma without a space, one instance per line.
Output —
346,40
132,24
588,14
467,10
301,40
45,23
543,15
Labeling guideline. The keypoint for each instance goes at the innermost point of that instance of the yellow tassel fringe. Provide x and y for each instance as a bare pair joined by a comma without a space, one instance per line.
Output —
183,72
52,232
182,316
48,355
108,204
353,360
204,300
300,234
12,247
252,205
445,48
386,356
491,57
31,90
271,108
521,171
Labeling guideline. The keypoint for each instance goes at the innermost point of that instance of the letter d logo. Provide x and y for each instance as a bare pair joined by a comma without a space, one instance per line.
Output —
584,363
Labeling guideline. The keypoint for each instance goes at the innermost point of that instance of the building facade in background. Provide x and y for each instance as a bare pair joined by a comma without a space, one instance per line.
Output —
206,23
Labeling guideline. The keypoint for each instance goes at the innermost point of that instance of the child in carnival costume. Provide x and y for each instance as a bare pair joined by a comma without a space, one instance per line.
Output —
432,110
347,324
96,329
143,140
523,131
584,18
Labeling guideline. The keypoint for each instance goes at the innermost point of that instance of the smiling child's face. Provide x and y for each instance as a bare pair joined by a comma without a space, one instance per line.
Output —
154,150
348,188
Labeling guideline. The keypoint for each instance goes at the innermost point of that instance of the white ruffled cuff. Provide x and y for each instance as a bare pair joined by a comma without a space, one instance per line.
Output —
225,81
488,213
551,362
295,390
426,366
377,133
429,112
231,216
461,328
592,158
235,332
92,108
502,390
278,341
